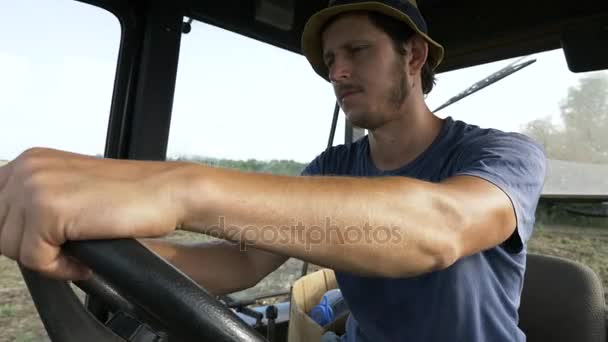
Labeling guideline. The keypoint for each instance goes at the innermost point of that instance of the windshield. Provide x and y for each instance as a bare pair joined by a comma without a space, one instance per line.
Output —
261,103
567,113
258,108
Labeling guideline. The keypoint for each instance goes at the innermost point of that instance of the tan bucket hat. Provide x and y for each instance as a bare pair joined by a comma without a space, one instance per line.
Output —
403,10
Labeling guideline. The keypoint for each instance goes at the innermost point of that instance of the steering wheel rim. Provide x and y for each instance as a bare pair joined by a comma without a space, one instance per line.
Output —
187,311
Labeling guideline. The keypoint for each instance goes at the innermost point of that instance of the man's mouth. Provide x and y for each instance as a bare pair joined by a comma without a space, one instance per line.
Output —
344,95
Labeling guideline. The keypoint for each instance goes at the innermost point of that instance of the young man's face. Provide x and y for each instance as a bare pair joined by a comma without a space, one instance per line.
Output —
368,75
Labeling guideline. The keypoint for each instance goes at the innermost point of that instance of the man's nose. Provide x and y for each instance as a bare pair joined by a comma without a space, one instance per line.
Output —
340,70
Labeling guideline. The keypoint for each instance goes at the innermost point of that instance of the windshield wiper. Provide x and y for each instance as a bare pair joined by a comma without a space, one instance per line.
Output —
493,78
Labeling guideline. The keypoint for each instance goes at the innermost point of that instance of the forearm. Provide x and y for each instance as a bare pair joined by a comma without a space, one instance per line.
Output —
337,222
218,266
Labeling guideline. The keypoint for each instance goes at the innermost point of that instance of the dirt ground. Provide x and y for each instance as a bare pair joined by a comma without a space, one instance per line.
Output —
19,321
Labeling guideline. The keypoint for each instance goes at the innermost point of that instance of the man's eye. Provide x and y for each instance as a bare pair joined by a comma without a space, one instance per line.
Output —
357,49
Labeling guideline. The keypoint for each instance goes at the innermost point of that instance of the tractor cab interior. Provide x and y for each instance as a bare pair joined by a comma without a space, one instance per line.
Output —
136,296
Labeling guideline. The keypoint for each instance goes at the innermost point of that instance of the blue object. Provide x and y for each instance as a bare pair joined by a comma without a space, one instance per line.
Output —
332,304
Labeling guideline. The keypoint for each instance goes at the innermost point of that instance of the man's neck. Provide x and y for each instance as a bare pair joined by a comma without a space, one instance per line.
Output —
400,141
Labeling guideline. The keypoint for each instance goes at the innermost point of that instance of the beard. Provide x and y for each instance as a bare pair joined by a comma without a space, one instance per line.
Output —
393,100
399,91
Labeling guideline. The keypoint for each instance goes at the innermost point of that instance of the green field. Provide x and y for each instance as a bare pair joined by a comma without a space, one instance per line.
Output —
19,320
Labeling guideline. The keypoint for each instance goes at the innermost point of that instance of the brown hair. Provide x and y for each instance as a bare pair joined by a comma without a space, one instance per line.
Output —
400,33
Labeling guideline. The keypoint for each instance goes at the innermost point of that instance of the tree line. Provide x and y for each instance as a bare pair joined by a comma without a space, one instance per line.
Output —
583,134
277,167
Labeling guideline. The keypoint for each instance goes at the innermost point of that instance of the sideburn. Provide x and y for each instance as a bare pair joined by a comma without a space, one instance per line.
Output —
399,89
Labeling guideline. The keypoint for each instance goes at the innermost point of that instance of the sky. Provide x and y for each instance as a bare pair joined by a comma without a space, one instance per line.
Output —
235,97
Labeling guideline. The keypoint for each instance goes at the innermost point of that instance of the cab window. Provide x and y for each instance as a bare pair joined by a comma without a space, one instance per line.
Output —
567,114
243,104
57,64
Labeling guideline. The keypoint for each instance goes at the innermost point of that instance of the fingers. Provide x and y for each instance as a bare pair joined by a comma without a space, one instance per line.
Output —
11,235
3,217
65,267
31,229
4,173
23,243
48,259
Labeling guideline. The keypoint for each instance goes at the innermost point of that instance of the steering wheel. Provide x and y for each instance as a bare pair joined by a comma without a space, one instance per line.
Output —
153,287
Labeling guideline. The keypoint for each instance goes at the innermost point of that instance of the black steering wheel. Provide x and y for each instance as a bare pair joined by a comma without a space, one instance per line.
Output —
158,290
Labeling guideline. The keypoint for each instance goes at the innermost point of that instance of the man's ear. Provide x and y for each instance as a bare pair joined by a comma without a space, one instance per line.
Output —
419,52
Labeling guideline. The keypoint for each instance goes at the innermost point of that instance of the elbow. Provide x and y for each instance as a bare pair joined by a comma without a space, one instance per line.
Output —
435,248
425,259
445,255
431,239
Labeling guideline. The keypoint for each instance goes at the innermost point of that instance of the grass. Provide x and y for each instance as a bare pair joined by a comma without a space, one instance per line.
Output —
7,310
19,320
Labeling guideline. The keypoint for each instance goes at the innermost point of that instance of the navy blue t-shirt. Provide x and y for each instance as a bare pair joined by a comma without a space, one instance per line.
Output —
477,298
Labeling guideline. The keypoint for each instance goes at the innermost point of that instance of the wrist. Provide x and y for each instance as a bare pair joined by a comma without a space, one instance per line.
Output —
189,194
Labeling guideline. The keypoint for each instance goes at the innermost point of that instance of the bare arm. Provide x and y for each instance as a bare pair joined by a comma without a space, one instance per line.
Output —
48,197
390,226
218,266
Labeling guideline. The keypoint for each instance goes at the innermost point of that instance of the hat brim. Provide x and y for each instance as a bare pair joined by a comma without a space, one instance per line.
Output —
312,44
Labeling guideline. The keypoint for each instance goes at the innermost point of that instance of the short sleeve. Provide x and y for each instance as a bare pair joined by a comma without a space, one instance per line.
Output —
314,168
515,164
332,161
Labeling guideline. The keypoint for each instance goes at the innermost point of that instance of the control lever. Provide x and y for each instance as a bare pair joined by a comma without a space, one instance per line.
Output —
271,315
242,307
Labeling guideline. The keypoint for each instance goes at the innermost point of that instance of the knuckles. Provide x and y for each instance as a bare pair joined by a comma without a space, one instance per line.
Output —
31,187
31,161
28,260
33,184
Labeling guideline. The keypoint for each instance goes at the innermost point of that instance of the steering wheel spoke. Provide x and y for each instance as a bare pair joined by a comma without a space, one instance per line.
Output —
142,283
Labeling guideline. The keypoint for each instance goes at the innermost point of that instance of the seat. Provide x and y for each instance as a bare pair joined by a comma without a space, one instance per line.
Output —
562,301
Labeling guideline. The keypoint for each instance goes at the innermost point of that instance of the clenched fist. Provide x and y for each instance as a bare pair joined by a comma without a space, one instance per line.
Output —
48,197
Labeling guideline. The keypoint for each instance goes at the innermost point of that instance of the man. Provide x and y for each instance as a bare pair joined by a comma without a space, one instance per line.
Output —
429,218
